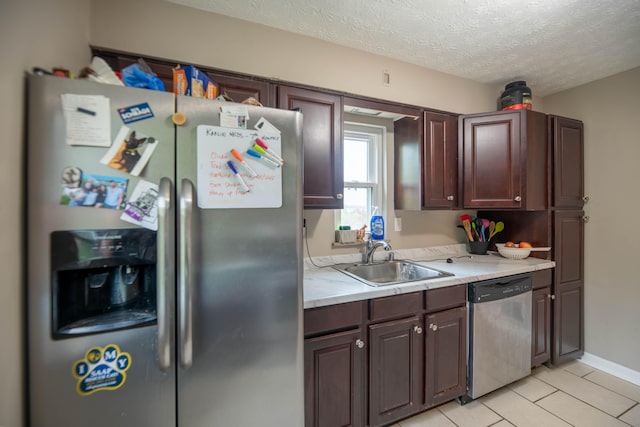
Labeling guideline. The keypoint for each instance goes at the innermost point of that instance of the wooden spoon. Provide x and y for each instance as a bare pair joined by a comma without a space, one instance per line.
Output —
467,227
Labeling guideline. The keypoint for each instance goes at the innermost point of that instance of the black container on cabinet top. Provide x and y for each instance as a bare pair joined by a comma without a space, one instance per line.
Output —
516,96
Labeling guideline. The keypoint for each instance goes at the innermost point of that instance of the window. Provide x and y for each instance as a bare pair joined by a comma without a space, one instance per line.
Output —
363,174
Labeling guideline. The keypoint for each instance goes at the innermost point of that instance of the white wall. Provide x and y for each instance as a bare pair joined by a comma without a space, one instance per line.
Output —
32,33
610,110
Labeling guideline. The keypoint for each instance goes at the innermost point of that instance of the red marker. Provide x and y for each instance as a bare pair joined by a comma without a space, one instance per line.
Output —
269,152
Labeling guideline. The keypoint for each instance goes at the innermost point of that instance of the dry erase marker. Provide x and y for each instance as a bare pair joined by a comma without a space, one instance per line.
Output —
244,164
271,153
265,154
254,153
237,175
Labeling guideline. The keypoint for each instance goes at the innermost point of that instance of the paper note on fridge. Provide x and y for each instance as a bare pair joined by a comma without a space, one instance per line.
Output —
235,116
87,119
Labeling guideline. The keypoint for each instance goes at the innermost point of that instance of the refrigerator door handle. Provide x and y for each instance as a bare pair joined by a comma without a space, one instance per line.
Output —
185,275
165,274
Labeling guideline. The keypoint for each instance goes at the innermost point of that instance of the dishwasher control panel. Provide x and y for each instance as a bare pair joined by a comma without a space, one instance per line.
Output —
496,289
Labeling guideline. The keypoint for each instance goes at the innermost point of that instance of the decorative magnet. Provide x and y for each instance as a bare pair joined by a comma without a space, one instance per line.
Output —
179,118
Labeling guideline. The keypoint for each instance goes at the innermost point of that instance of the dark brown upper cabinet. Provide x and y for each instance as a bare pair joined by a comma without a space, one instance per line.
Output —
322,140
426,162
505,160
240,89
568,153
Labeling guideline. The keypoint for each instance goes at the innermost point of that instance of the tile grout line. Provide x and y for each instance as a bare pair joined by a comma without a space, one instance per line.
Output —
587,403
502,418
540,398
549,412
612,391
625,412
604,387
445,415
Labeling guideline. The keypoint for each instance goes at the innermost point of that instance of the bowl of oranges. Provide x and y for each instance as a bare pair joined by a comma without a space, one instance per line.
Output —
514,250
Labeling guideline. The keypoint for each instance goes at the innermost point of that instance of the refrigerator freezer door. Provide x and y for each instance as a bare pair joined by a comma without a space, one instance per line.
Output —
246,298
60,393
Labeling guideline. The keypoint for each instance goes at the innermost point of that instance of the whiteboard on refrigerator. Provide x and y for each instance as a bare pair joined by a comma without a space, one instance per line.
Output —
218,187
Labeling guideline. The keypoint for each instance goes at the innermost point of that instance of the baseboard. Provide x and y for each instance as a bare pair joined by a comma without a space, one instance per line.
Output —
612,368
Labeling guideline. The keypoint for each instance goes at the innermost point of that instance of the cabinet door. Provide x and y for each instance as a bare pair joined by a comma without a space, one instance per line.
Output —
395,370
541,326
492,161
568,174
446,352
322,139
239,89
333,366
407,163
568,303
440,172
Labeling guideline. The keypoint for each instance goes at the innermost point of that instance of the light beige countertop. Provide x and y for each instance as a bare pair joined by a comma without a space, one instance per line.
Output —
324,285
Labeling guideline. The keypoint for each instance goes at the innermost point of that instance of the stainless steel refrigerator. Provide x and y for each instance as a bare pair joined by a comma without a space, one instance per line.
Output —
160,292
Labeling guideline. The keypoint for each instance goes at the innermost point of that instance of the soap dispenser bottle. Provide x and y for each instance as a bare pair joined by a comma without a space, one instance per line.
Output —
377,225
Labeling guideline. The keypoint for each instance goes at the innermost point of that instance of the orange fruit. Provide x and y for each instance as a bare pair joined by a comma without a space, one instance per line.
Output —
509,245
524,245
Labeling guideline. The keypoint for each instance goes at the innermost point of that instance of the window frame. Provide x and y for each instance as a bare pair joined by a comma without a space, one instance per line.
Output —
376,137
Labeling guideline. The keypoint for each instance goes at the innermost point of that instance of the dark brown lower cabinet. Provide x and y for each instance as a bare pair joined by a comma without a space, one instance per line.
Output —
541,326
568,286
446,352
334,366
568,322
395,370
411,358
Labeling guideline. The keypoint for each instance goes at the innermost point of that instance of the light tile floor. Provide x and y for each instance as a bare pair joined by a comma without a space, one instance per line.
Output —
573,394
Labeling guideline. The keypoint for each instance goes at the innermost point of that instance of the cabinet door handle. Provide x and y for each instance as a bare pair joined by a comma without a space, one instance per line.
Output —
359,343
339,196
585,199
449,198
433,327
585,218
517,198
417,329
552,296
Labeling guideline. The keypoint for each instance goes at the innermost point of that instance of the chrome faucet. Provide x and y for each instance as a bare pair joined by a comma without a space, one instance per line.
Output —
370,248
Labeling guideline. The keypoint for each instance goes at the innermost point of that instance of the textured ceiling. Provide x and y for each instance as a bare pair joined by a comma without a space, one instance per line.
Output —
552,44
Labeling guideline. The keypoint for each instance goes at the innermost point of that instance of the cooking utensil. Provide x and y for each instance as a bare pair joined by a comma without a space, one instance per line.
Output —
467,227
466,223
476,232
478,222
485,226
499,228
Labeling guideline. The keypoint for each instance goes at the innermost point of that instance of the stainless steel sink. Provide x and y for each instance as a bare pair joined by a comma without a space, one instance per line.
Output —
389,272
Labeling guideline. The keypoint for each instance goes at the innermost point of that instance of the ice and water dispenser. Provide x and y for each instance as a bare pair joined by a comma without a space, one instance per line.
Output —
102,280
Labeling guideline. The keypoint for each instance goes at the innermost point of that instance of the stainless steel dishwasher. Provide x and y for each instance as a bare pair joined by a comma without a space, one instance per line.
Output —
499,334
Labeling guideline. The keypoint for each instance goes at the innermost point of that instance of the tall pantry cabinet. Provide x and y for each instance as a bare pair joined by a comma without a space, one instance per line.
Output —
567,141
526,169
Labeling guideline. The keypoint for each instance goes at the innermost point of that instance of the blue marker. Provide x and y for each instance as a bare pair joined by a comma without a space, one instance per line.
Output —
237,175
254,153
